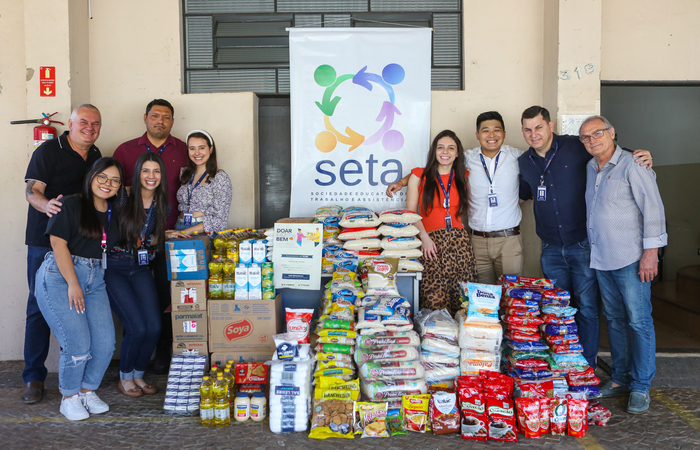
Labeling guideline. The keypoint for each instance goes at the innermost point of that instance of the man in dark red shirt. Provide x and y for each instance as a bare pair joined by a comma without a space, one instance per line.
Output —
159,120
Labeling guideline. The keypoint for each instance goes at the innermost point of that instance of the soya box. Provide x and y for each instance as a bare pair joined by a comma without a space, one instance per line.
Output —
189,326
244,326
188,295
188,259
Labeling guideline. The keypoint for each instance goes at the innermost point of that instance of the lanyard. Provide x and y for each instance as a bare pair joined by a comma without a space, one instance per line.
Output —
486,169
160,152
104,236
556,148
148,221
190,191
446,192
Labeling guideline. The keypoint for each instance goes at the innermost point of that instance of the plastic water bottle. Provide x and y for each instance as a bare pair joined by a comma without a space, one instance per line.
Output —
206,403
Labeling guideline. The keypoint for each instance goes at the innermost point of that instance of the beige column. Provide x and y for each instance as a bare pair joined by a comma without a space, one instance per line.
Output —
572,56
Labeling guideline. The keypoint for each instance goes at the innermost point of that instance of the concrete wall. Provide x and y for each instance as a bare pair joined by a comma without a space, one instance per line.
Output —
130,52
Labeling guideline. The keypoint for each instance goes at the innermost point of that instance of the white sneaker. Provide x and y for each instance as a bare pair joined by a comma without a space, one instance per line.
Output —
93,404
73,408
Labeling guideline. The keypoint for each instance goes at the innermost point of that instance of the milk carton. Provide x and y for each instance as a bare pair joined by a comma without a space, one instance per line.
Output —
254,282
245,252
241,280
259,251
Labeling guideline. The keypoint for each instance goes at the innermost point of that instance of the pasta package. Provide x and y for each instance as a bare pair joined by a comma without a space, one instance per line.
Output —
415,411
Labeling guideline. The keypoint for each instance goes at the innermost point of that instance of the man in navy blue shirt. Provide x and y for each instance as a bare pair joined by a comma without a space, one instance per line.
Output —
553,172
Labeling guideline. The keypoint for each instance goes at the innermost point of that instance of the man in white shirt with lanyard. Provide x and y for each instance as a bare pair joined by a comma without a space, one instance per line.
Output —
494,211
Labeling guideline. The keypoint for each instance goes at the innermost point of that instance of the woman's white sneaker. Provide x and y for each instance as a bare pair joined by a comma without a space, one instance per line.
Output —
73,409
93,404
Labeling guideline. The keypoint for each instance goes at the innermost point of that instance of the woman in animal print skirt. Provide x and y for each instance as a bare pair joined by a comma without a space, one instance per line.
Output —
439,193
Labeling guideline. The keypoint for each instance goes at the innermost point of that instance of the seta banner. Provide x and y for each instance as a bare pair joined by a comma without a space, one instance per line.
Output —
360,113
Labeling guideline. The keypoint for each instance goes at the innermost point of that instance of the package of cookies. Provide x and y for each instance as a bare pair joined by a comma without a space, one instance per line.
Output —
333,413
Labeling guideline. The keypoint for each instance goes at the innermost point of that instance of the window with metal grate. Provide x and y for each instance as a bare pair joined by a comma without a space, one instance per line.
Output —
243,45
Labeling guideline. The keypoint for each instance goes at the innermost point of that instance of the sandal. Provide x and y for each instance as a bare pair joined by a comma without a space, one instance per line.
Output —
133,393
148,389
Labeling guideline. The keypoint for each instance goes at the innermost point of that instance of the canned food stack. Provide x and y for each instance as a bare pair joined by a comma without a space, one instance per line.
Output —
399,238
479,328
440,349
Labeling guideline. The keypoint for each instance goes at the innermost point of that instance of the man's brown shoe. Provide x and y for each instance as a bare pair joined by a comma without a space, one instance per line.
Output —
33,392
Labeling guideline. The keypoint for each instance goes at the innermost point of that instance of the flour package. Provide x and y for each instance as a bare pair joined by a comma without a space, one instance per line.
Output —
484,300
290,396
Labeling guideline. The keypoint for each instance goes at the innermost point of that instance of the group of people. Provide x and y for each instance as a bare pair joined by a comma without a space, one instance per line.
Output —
96,231
597,211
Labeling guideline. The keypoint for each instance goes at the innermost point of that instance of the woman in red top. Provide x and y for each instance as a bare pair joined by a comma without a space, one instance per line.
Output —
439,194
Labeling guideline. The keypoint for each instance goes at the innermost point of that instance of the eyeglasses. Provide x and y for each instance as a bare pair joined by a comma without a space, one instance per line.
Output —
586,138
104,179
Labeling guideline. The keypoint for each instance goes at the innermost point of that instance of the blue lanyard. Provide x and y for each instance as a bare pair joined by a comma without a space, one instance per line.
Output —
160,152
104,233
148,221
556,148
486,169
190,191
446,192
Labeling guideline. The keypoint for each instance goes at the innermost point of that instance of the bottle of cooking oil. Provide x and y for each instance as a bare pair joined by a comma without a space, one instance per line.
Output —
214,373
228,280
228,376
206,403
222,412
219,246
216,279
232,249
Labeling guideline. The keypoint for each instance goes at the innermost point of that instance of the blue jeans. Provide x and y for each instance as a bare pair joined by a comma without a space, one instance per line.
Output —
627,307
570,266
37,333
87,340
134,299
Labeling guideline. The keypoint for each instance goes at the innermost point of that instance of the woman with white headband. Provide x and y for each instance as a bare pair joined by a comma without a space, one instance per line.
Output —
205,193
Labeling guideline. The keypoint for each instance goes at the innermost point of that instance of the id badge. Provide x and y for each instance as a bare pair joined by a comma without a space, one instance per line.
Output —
493,200
143,257
448,222
187,219
541,193
104,260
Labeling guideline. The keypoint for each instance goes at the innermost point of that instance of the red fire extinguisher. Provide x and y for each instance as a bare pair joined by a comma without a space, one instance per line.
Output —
42,132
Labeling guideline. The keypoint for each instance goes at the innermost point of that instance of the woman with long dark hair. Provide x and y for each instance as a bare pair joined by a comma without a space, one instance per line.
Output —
205,193
439,193
70,288
130,284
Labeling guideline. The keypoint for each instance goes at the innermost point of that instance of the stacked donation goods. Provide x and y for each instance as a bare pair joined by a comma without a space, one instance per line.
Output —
399,238
188,271
480,332
388,349
440,349
182,392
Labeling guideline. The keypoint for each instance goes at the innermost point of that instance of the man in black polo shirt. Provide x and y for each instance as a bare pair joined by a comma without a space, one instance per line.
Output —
57,168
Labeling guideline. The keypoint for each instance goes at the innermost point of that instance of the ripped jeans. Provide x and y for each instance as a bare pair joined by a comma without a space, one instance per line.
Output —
87,340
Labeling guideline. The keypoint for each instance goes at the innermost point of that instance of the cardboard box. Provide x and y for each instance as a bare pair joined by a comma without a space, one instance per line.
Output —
244,325
193,348
189,326
188,259
189,295
238,357
296,220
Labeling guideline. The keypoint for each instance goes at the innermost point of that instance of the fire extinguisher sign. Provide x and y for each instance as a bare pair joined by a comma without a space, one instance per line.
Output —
47,81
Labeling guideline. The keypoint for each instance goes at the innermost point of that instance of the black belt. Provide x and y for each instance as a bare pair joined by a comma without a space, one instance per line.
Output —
500,233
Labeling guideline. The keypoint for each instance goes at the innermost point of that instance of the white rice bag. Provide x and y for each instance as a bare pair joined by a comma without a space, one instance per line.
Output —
325,211
389,338
435,358
398,230
411,253
362,244
441,372
434,345
365,320
437,324
359,219
399,215
349,234
410,265
400,243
